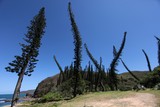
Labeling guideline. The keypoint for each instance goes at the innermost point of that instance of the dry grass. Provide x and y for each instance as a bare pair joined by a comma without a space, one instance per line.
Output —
147,98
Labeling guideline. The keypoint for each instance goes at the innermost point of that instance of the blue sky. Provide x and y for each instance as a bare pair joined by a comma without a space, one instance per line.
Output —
101,23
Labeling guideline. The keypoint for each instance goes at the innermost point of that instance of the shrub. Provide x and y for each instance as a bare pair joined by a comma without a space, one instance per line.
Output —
66,88
51,96
152,78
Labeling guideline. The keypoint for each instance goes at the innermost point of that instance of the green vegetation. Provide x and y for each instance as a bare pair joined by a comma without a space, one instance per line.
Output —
77,55
112,75
148,62
152,78
51,96
61,90
25,64
74,80
84,100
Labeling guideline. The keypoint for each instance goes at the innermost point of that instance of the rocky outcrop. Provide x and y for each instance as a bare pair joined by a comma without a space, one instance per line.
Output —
157,87
46,86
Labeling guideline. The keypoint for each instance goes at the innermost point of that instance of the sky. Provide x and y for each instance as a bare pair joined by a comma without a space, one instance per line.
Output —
101,23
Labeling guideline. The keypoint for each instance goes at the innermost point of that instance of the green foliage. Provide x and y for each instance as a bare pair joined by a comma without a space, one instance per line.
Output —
152,78
51,96
25,63
95,62
112,75
30,49
77,50
61,75
158,43
147,59
67,88
98,76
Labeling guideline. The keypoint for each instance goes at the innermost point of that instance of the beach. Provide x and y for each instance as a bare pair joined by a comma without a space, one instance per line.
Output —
5,99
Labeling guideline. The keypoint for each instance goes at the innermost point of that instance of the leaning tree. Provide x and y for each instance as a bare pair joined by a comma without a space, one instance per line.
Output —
25,63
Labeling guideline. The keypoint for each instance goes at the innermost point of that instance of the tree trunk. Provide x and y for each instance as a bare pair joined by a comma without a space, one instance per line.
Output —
102,85
75,85
18,86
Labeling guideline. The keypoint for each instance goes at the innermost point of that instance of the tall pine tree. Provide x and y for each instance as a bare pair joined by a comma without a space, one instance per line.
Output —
77,51
25,64
113,81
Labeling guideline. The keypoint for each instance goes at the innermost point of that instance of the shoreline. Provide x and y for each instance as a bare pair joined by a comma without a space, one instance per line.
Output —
21,100
18,104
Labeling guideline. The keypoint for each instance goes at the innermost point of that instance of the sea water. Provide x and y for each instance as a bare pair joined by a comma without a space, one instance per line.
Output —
7,97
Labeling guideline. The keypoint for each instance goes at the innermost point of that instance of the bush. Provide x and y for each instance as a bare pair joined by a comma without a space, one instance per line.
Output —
152,78
66,89
123,87
51,96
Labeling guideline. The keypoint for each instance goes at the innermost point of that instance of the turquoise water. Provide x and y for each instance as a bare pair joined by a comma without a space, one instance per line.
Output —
5,97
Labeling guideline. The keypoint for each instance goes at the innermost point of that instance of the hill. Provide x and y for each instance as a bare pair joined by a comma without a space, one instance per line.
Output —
126,82
28,91
45,86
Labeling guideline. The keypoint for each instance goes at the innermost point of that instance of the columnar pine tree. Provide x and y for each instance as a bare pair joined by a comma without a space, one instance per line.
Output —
158,43
112,70
25,64
92,74
77,51
66,73
71,70
147,59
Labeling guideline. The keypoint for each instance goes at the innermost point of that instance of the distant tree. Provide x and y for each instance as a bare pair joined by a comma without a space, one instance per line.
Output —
77,50
71,71
134,76
147,59
97,65
112,70
61,75
100,76
66,73
95,62
90,76
25,64
158,43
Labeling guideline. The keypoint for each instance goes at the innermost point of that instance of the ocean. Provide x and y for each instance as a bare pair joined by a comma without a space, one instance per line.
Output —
7,97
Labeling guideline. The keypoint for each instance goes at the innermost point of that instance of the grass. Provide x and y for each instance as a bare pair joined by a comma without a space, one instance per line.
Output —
81,100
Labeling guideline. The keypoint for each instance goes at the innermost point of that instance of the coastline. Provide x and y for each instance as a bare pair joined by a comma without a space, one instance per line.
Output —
22,100
18,104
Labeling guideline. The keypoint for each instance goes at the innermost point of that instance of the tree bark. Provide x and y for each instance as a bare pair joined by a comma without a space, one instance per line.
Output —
18,86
